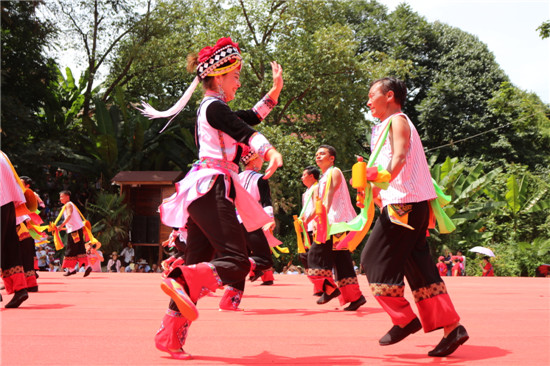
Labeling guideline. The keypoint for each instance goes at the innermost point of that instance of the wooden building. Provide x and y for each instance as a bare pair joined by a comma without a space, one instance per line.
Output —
144,192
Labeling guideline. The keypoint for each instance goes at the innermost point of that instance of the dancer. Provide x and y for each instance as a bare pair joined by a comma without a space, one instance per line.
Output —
332,192
310,178
205,200
75,253
397,246
256,241
255,184
12,200
27,224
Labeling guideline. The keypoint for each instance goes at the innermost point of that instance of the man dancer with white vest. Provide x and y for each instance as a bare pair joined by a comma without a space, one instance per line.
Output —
322,257
75,253
397,246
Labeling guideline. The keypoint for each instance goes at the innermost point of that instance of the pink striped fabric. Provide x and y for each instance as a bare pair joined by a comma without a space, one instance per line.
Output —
414,182
341,209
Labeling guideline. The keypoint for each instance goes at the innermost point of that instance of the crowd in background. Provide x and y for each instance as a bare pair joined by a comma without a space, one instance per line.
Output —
47,261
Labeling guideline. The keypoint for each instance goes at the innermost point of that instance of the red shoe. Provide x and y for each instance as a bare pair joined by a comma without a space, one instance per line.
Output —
185,305
178,355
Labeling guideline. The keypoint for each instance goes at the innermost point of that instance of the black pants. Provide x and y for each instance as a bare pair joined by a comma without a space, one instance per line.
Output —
213,229
258,249
27,256
10,251
75,249
321,256
303,256
393,252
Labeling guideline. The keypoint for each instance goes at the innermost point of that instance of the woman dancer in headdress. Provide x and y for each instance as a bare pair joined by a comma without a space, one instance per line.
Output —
205,200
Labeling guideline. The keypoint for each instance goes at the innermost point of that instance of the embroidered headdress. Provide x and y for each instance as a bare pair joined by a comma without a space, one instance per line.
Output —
224,57
220,59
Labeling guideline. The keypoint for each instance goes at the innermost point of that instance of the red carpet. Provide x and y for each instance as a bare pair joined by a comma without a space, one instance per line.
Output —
111,318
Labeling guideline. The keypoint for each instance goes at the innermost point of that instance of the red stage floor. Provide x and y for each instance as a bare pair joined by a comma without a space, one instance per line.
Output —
111,318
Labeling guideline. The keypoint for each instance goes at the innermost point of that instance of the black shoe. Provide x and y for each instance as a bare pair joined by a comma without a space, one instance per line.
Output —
88,271
256,275
326,297
17,299
354,305
450,343
32,289
69,273
267,283
318,294
397,334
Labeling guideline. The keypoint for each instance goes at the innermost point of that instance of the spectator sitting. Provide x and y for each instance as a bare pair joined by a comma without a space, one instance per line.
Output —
142,266
54,266
292,270
114,263
155,268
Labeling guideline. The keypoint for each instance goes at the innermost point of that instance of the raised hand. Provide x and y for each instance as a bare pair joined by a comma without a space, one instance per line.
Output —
277,80
275,161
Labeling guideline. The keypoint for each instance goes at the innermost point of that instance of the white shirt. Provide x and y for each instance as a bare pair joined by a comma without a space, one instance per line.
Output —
127,253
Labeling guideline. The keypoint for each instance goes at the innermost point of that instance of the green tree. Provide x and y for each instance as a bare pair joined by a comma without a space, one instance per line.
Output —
405,36
544,29
25,75
97,28
526,206
469,203
456,103
125,140
520,117
111,219
315,106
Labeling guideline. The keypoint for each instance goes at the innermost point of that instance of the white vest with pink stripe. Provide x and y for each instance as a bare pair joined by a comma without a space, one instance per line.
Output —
341,209
414,181
75,223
